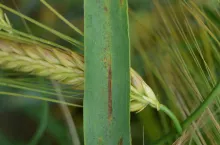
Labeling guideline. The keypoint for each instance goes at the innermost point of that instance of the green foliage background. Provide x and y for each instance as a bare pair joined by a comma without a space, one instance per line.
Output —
175,47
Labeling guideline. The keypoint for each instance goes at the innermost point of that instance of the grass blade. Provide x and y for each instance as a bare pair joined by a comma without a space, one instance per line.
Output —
106,100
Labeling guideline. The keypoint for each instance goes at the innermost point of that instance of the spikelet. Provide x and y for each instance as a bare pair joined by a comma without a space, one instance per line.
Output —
141,94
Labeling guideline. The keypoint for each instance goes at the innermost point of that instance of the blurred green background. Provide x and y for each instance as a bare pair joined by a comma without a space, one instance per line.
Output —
175,47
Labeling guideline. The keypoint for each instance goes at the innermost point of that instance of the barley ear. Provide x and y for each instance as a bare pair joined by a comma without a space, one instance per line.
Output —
141,94
64,67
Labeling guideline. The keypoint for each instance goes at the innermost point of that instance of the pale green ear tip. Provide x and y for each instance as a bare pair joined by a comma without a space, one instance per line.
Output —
148,91
137,106
143,93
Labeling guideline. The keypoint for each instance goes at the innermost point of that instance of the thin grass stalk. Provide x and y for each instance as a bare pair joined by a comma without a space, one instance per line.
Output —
43,125
62,36
69,120
107,73
194,116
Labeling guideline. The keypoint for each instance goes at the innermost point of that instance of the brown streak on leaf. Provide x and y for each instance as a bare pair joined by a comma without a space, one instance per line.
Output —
120,142
106,9
100,141
121,2
109,92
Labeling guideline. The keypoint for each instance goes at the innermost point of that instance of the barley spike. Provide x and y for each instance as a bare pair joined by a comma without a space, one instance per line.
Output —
53,63
65,67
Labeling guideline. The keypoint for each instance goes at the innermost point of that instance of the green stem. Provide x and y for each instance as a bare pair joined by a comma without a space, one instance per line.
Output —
61,17
173,117
62,36
195,115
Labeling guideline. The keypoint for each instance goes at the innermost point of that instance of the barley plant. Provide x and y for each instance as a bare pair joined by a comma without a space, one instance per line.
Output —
109,72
